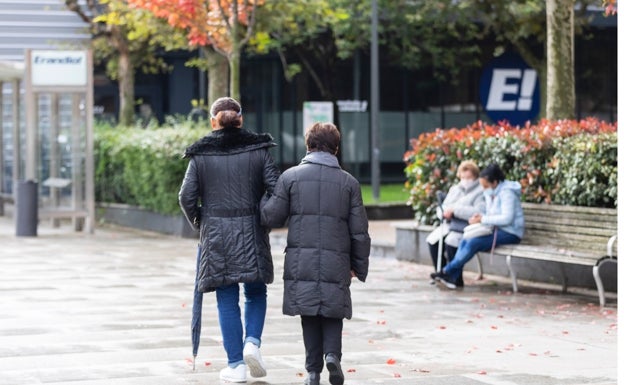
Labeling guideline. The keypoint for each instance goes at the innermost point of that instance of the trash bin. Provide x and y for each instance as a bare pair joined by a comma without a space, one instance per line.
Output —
27,207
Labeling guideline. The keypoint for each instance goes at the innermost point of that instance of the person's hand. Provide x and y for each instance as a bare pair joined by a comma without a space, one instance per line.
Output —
476,218
448,214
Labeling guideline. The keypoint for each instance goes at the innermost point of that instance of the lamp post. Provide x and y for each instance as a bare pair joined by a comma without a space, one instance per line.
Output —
374,103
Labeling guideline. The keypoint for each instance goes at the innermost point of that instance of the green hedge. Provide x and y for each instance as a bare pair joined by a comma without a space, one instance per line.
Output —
142,167
563,162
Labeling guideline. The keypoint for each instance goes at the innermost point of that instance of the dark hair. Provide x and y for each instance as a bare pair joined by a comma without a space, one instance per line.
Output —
492,173
322,137
228,112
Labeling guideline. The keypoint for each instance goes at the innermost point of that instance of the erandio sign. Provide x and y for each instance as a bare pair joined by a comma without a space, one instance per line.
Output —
58,68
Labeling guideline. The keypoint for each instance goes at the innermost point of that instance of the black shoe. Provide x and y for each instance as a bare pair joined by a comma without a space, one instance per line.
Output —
314,378
447,282
434,277
460,282
335,371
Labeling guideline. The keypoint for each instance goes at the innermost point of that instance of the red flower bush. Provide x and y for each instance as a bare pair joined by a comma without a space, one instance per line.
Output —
548,159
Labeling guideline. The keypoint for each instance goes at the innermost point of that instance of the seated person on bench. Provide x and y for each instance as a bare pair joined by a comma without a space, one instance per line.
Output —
463,200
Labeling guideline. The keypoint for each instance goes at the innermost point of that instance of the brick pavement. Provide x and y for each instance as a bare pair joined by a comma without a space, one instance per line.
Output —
114,308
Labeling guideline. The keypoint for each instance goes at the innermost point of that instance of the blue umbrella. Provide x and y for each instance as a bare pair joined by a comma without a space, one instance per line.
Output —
198,298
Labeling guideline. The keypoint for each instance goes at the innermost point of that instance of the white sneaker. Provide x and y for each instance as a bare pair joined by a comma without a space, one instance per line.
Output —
237,374
253,359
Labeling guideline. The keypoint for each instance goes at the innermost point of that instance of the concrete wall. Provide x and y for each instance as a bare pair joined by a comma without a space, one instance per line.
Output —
135,217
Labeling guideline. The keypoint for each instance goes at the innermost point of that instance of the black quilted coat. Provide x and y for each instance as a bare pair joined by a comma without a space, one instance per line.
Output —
228,173
327,236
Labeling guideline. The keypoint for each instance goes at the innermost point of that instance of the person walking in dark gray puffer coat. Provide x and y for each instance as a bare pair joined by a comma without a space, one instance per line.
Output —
327,245
229,172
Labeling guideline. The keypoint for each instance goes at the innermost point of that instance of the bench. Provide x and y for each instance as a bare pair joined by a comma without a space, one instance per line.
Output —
567,235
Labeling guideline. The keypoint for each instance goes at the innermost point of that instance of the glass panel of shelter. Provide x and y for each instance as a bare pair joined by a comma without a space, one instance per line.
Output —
61,167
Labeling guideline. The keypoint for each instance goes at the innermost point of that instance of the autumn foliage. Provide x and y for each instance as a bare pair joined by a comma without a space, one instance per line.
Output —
205,21
610,6
564,162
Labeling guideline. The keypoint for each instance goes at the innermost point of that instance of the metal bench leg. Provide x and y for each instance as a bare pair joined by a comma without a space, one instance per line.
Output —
512,274
479,266
599,286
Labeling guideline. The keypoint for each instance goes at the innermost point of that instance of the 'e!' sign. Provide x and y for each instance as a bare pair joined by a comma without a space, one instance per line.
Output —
509,90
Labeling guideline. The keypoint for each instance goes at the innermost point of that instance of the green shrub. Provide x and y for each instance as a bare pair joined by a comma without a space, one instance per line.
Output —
585,170
142,167
546,158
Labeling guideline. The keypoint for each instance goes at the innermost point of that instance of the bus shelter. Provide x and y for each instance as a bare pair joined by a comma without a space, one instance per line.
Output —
11,125
51,147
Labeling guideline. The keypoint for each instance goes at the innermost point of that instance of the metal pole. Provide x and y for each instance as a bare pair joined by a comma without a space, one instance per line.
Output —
32,111
374,103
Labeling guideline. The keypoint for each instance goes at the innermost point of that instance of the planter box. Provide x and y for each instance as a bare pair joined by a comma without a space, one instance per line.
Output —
383,211
136,217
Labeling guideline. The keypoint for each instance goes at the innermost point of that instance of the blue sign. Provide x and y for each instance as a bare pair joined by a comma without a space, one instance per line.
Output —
509,90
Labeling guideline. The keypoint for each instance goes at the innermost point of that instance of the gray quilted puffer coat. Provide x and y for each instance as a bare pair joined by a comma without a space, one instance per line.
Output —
228,173
327,235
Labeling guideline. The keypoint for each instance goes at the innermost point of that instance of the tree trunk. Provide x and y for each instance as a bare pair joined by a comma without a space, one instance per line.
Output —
560,97
235,74
126,86
217,75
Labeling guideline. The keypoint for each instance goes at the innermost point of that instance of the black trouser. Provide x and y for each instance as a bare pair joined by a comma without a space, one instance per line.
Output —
450,254
321,336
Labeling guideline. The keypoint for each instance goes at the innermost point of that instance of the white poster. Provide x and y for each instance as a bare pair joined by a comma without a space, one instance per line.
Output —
314,112
58,68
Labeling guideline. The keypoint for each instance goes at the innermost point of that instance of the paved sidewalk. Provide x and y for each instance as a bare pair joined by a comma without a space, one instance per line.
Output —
115,308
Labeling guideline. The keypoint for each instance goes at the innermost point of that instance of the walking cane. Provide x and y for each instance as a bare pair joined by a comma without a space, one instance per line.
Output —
440,211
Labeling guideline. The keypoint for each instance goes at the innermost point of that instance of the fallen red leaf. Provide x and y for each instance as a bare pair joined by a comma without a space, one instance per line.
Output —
391,361
482,372
381,322
351,370
299,374
494,327
207,363
397,375
441,327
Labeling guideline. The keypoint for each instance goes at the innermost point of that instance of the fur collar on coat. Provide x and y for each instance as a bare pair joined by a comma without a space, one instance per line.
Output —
229,141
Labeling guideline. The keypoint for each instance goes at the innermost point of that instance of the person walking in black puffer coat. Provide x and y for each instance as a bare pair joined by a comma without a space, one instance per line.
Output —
327,245
228,173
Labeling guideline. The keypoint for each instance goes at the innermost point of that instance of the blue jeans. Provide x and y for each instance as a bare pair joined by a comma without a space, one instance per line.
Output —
230,318
469,247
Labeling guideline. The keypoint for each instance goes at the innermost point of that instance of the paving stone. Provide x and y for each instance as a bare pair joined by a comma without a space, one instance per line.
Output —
114,307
